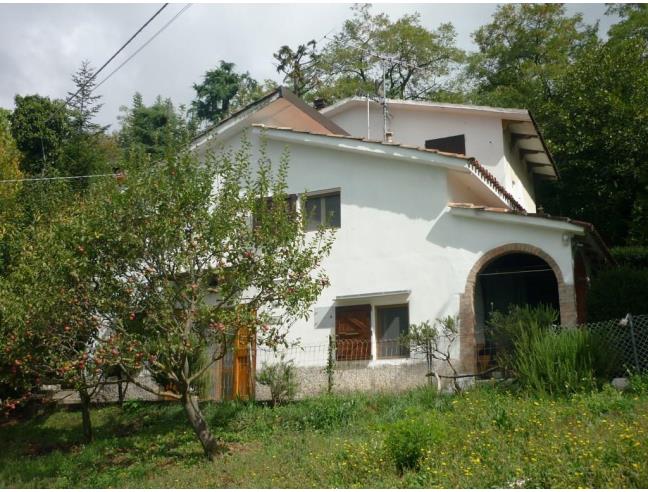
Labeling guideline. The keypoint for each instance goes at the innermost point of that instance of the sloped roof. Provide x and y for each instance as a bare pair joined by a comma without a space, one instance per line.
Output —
279,93
520,123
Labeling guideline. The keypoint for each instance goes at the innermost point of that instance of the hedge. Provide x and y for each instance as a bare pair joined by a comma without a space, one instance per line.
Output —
614,292
631,256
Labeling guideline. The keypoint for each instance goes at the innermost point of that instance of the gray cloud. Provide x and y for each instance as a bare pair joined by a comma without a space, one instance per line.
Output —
42,45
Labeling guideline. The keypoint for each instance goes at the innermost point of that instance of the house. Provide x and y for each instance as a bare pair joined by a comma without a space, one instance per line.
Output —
435,210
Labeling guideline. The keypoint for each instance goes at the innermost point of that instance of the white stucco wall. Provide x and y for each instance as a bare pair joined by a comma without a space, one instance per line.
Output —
397,233
483,132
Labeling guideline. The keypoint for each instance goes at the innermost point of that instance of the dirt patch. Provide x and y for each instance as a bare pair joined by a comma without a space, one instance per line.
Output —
242,447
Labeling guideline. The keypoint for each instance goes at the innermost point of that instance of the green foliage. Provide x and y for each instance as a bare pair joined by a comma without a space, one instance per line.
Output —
631,256
435,341
419,66
84,103
41,127
615,292
633,23
523,51
281,378
595,126
546,359
153,129
222,92
300,67
408,440
504,329
595,440
639,384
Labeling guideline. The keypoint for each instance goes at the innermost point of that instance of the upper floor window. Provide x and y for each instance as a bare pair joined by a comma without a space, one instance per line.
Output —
290,204
455,144
322,209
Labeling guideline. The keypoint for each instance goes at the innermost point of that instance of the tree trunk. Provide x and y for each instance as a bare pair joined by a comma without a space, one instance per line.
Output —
211,445
85,414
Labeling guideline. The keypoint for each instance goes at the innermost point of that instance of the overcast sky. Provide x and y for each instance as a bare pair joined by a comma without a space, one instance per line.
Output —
41,45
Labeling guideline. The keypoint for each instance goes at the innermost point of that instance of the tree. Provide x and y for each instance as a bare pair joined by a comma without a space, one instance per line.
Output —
153,128
40,127
595,125
435,342
633,23
300,67
195,270
417,62
223,91
10,158
522,51
83,103
49,308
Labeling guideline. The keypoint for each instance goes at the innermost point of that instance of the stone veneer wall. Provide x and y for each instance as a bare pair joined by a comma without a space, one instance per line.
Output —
566,299
359,376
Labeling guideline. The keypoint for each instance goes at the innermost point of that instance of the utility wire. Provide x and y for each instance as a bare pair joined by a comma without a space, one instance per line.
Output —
178,14
53,178
117,53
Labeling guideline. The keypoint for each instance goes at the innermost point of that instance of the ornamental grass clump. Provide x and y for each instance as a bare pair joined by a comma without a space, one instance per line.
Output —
547,359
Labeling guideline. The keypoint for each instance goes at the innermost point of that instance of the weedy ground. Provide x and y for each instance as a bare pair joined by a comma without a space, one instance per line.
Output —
486,437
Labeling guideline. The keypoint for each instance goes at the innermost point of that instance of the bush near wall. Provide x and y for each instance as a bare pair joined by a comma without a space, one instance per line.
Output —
631,256
617,291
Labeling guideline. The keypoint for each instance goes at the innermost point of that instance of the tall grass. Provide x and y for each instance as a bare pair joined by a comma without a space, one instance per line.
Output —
547,359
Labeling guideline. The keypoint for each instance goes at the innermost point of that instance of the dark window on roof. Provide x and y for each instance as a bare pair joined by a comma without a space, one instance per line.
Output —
455,144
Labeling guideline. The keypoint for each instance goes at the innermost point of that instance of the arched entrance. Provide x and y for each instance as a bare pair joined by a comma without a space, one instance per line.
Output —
510,274
513,279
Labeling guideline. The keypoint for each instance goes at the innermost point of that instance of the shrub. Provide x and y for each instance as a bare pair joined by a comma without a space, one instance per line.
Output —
505,329
281,378
409,439
615,292
547,359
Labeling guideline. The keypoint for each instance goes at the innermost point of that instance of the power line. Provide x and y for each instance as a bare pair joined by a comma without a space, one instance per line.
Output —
54,178
117,52
178,14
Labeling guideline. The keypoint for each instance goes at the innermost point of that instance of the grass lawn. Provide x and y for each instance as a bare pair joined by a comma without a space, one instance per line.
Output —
483,438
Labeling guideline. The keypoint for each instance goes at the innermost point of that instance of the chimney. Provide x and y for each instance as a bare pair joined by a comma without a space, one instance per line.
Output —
389,137
319,103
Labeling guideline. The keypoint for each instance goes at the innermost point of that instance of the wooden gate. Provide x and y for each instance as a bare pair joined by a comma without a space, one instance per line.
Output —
235,373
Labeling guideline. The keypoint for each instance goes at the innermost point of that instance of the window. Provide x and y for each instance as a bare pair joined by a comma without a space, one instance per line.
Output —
322,209
392,324
455,144
291,207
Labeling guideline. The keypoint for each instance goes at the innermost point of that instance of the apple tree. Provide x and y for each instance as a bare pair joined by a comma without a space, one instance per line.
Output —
204,249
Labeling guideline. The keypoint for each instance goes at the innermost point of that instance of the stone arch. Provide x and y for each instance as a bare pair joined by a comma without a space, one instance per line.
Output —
566,298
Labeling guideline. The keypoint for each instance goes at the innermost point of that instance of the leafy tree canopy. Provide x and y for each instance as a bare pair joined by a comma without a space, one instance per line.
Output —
195,268
633,23
224,91
40,127
418,62
522,51
153,128
597,126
